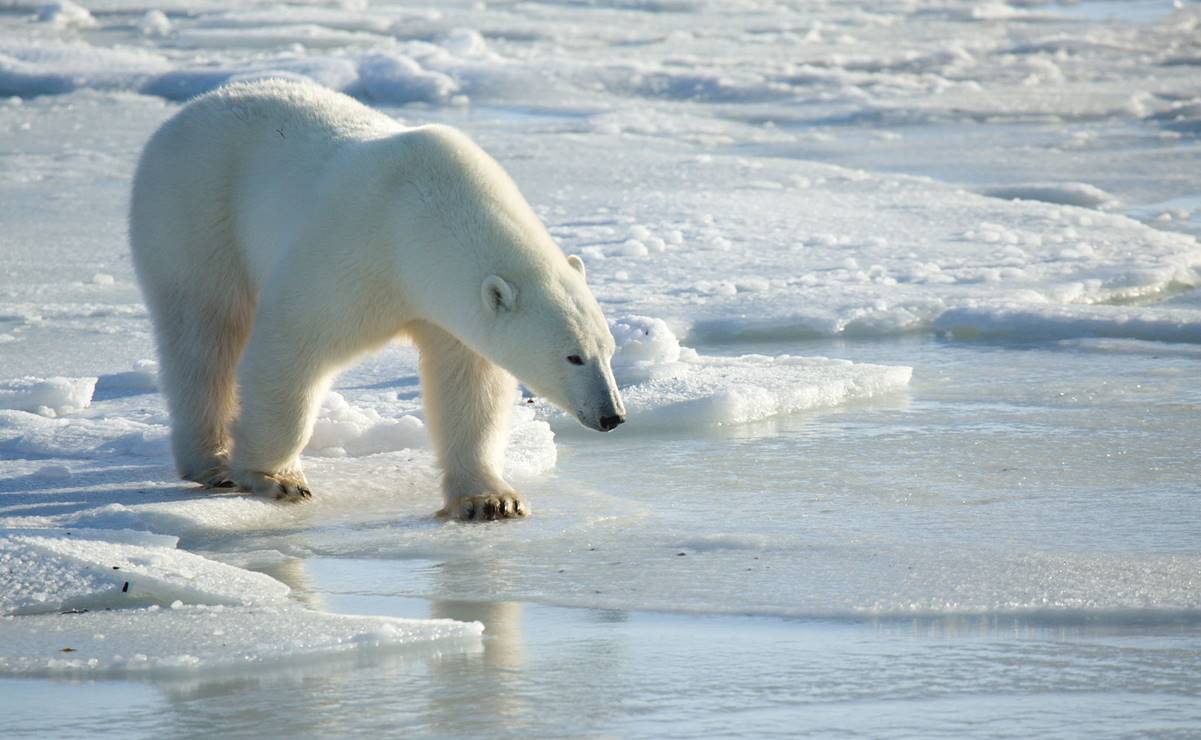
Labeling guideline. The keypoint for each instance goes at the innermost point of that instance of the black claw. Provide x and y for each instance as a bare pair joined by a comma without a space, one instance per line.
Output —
490,509
305,493
223,484
468,510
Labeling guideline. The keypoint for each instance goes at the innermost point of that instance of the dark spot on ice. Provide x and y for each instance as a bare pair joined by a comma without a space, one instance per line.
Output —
67,650
116,567
681,554
125,588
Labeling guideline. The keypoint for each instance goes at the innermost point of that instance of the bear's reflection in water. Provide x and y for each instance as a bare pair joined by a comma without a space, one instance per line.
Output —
460,687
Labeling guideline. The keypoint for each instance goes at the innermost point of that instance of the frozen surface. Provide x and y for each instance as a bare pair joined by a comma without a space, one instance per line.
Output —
708,391
905,298
183,638
1058,321
49,397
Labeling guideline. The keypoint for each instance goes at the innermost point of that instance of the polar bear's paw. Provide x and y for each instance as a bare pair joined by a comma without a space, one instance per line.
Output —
208,471
487,507
215,477
279,486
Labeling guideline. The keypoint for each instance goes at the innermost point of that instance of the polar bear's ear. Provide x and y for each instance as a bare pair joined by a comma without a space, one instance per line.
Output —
576,263
497,294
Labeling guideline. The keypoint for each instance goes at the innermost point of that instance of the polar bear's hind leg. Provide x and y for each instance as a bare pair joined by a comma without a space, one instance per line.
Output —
200,341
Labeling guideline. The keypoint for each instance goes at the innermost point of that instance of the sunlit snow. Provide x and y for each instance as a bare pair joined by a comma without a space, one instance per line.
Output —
904,292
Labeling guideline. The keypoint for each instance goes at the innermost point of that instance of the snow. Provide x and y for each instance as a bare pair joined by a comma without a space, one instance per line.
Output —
715,391
905,298
1066,193
47,397
666,386
53,571
65,14
185,638
117,601
1073,321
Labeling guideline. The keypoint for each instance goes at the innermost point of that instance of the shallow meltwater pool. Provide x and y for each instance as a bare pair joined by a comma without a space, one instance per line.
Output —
1008,547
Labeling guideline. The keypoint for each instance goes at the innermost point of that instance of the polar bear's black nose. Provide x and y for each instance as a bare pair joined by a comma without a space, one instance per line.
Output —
608,423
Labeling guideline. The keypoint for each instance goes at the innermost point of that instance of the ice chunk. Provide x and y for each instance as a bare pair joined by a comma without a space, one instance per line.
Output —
646,348
199,637
395,78
1052,321
56,570
531,445
342,429
154,23
65,14
667,385
1065,193
47,397
715,391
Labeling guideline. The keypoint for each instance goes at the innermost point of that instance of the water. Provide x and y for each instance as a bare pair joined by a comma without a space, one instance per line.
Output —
554,671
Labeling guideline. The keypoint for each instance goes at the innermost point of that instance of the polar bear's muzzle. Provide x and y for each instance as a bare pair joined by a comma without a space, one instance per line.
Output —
604,410
604,422
608,423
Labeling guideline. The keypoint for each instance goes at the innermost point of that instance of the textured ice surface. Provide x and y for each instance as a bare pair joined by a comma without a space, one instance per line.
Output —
737,390
766,184
665,385
49,397
187,638
61,570
1067,321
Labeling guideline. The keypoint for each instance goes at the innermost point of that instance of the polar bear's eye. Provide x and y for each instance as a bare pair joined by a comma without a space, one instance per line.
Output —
575,359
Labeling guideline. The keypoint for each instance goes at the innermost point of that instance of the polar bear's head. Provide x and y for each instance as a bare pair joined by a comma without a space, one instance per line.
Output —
548,330
533,313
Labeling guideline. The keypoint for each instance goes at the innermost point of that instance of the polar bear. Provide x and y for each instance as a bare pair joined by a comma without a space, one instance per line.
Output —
280,229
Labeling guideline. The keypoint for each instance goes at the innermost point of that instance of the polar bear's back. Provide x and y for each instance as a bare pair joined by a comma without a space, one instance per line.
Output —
308,109
229,178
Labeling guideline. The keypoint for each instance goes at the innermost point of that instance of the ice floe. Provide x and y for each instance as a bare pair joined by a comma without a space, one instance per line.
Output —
1072,321
666,385
48,397
184,638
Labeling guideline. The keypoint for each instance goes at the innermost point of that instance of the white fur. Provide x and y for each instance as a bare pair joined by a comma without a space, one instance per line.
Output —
283,229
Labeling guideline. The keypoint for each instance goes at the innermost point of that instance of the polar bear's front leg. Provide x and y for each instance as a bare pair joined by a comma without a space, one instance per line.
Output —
468,401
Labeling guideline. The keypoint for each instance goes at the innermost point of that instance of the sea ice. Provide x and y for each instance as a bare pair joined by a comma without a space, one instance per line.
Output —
665,385
188,638
731,172
1050,321
47,397
47,571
